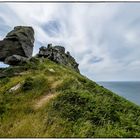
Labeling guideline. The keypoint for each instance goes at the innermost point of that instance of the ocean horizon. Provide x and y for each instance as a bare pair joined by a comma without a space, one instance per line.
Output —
130,90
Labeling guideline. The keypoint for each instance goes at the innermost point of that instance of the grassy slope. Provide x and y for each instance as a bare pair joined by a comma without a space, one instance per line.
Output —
79,107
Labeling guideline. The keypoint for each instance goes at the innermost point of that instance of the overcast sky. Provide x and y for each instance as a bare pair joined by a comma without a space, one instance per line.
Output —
104,38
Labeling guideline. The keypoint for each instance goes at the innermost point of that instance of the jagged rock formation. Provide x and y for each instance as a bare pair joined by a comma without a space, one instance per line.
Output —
15,60
17,45
58,55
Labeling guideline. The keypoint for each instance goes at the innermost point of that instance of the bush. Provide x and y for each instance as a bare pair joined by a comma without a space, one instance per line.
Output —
28,84
36,85
71,105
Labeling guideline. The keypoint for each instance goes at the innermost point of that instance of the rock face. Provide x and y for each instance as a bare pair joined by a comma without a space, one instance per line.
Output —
17,47
58,55
19,41
15,60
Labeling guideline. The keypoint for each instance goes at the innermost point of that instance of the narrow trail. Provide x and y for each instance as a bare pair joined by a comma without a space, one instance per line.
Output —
56,84
44,99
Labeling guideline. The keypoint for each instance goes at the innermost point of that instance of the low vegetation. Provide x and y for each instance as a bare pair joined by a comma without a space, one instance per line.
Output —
75,107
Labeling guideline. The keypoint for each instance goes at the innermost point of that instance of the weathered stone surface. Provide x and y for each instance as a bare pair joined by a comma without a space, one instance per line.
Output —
16,87
52,70
15,60
43,52
8,48
58,55
17,47
60,49
19,41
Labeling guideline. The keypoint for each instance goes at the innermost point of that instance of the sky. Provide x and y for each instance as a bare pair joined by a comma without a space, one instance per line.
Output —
104,38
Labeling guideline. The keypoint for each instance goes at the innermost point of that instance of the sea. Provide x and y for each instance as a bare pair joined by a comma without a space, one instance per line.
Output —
128,90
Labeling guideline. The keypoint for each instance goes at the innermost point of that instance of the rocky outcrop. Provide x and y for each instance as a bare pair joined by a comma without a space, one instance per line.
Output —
17,45
15,60
58,55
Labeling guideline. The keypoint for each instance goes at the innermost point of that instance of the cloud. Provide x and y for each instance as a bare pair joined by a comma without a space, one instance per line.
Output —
103,37
3,65
53,28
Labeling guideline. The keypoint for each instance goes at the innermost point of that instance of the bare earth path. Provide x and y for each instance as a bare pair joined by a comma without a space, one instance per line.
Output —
44,99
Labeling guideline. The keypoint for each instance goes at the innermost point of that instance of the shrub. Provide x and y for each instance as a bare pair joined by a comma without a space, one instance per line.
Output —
28,84
36,85
71,105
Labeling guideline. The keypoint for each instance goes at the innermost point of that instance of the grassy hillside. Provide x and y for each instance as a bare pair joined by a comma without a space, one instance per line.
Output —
53,101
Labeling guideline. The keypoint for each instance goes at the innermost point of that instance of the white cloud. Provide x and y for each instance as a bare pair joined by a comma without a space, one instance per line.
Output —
109,32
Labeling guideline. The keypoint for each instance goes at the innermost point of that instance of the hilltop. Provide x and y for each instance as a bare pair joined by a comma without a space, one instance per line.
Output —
42,97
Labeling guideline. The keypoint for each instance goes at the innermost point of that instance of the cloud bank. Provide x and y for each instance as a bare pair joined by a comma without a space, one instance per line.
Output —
103,37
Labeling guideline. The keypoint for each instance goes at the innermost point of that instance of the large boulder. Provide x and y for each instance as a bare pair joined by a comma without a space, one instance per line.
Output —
15,60
58,55
20,41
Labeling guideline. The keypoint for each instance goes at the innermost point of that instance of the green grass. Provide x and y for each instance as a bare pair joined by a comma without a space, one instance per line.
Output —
81,108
